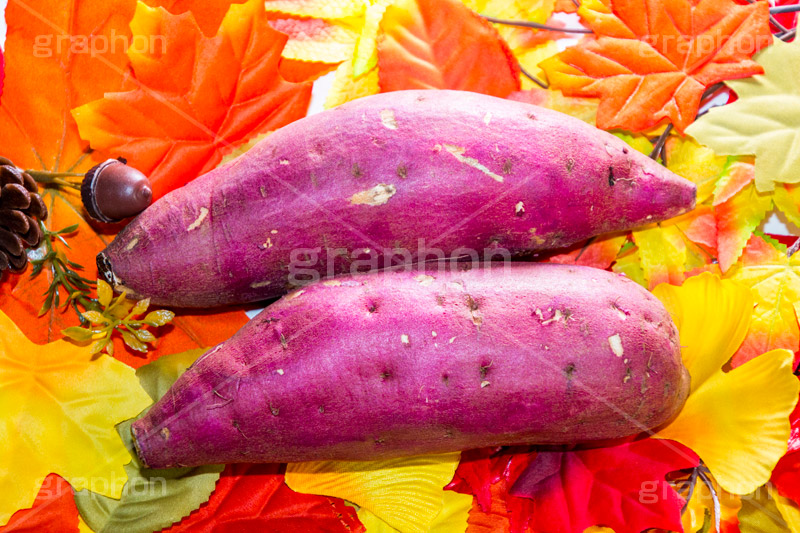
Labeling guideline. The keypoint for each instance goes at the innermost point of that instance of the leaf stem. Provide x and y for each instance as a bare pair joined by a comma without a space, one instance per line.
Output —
775,10
535,25
660,142
533,78
55,178
692,484
714,495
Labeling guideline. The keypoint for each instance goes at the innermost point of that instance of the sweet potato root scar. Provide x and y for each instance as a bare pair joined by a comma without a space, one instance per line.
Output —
616,345
284,161
458,153
259,284
378,195
199,220
388,120
131,244
487,118
424,279
404,339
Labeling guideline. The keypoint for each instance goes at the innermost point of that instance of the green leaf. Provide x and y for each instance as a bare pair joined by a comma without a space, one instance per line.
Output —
78,334
159,318
158,376
764,121
151,499
104,293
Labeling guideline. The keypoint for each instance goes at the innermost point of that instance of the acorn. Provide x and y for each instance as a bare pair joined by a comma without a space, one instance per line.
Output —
113,191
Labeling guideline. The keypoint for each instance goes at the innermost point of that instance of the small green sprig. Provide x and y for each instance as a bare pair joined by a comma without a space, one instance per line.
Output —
118,314
64,273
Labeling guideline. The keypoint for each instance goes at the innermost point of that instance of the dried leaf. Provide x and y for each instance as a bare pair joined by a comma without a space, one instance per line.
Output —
197,98
430,44
61,404
652,61
764,121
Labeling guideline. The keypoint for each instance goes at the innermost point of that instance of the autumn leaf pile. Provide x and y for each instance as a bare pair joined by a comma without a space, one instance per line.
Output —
710,88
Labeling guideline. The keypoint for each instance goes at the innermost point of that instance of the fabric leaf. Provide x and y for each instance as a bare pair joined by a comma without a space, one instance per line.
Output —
764,121
345,87
208,15
441,44
151,499
53,511
736,421
320,9
406,493
316,39
578,107
254,498
622,487
598,253
451,519
786,474
775,281
696,163
197,98
58,409
652,61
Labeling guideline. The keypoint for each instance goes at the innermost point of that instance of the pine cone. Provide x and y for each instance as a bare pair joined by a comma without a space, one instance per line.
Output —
21,208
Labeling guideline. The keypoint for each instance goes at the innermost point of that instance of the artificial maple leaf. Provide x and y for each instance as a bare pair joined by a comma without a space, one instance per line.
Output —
49,140
429,44
208,15
669,249
254,499
345,87
2,71
775,282
53,511
622,487
786,474
698,164
58,409
197,98
598,253
652,61
764,121
316,40
583,108
405,492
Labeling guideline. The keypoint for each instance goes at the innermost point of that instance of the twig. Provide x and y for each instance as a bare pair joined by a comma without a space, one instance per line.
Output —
535,25
533,78
660,142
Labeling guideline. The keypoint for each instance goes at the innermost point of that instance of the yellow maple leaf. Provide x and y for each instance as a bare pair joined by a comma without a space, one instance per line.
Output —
58,409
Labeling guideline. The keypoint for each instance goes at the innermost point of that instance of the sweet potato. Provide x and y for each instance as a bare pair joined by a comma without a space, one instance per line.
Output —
403,363
412,170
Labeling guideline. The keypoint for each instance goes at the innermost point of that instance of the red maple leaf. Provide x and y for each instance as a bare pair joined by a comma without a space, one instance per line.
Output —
53,511
254,499
786,475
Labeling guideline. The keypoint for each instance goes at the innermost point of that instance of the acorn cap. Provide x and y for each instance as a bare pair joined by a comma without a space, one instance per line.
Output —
112,191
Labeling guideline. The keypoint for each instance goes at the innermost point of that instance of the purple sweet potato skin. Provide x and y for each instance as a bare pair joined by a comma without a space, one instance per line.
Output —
404,363
452,169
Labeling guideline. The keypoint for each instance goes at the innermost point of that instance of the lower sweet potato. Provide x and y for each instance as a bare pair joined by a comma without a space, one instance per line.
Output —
405,363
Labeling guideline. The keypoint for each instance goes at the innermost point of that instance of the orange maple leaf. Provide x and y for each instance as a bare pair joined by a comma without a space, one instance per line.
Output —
442,44
208,15
651,61
197,97
52,69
